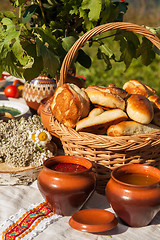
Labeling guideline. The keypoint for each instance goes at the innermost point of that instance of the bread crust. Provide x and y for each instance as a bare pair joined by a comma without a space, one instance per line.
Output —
129,128
99,120
103,97
117,91
69,104
139,109
136,87
155,100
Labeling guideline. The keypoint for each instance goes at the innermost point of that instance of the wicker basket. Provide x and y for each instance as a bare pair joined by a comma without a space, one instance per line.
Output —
106,152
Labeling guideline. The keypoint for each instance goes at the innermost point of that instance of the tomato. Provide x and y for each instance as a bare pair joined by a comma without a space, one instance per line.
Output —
11,91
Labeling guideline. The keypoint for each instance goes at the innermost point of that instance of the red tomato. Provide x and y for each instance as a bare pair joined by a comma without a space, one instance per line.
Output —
11,91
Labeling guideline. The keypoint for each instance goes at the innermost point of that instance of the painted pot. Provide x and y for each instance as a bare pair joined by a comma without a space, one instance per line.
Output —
38,89
135,201
66,191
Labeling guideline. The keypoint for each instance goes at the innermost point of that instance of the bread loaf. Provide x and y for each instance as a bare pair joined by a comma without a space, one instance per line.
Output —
139,109
69,104
136,87
103,97
116,90
128,128
99,120
155,100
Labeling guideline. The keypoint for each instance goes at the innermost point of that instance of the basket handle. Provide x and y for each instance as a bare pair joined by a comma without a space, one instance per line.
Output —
98,30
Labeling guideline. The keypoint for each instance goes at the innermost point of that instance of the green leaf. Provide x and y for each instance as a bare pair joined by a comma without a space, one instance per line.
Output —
122,10
37,67
19,53
19,2
5,44
129,44
84,15
74,10
105,57
47,36
50,60
106,50
10,66
125,36
94,7
47,6
83,59
1,68
8,23
128,54
30,48
9,14
29,13
105,53
105,14
51,2
155,31
146,51
68,42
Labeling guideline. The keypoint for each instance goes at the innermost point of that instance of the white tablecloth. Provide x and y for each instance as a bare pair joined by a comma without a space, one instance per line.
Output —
12,198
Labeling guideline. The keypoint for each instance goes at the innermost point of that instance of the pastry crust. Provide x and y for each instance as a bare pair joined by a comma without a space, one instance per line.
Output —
103,97
139,109
155,100
99,120
129,128
136,87
69,104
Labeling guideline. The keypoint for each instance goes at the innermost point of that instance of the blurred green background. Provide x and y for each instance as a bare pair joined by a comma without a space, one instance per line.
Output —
141,12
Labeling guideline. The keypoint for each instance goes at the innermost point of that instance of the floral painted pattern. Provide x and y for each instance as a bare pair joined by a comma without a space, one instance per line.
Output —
27,222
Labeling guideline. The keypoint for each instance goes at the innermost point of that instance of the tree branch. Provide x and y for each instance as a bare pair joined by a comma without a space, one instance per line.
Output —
115,34
42,11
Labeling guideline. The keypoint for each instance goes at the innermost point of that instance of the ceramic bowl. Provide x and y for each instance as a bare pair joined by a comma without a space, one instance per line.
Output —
134,193
23,108
66,191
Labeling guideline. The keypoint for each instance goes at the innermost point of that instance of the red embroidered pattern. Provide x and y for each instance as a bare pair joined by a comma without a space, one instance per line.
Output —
27,222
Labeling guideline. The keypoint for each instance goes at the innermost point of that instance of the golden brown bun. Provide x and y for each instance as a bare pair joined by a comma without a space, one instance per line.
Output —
116,90
99,120
128,128
151,91
103,97
136,87
69,104
155,100
139,109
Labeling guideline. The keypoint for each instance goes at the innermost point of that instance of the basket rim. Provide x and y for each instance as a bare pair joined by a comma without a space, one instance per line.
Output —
98,30
71,131
70,56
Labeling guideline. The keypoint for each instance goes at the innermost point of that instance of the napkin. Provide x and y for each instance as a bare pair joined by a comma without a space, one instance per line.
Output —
28,223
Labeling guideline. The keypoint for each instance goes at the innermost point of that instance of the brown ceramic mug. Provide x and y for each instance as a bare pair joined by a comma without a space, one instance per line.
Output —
134,193
66,191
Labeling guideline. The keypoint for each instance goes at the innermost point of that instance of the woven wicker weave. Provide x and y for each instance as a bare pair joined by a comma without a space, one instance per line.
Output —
106,152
